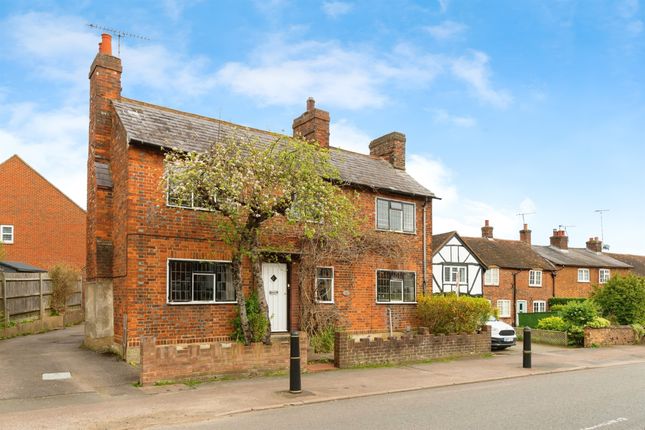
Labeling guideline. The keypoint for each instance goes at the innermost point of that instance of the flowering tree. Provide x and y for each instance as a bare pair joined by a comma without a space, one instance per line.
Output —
247,183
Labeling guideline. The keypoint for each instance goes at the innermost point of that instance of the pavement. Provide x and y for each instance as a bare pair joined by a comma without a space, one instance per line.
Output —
100,393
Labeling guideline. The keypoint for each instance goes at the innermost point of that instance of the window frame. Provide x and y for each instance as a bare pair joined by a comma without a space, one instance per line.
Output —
508,302
601,278
402,202
582,271
459,268
192,200
534,283
192,276
12,233
402,302
539,302
490,270
333,276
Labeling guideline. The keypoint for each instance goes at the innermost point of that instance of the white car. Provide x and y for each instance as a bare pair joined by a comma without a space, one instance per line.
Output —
502,334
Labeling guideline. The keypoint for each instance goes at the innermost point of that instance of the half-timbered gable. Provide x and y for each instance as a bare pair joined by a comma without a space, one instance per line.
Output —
454,264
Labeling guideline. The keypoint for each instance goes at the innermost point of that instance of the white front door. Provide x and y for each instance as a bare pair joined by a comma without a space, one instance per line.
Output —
274,276
520,308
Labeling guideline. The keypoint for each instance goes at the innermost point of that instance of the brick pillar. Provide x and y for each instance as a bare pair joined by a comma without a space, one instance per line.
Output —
559,239
487,230
148,360
525,234
313,124
593,244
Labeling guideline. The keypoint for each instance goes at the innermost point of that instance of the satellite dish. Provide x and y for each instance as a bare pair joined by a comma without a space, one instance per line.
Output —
605,247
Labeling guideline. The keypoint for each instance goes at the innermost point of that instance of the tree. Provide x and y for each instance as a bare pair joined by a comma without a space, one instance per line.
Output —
622,299
2,253
251,187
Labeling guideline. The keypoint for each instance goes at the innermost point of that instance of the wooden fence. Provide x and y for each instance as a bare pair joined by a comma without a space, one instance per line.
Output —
28,295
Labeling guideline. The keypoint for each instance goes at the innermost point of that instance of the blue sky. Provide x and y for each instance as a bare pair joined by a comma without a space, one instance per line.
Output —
508,107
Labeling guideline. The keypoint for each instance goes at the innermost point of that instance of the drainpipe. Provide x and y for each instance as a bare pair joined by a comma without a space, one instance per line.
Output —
425,248
514,304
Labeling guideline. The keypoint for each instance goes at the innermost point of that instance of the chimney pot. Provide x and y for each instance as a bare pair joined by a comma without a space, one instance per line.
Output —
559,239
311,104
525,234
313,124
486,223
487,230
593,244
105,47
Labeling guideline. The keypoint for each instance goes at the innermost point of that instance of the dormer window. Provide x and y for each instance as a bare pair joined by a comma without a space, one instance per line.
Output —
392,215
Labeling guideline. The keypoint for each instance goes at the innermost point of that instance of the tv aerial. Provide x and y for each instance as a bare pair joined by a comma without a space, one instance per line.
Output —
524,214
119,34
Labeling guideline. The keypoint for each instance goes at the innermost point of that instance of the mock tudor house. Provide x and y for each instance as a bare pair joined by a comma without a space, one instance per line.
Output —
155,269
39,225
517,279
455,267
579,269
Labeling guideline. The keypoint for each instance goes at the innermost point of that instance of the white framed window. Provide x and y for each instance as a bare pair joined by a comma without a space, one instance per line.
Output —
451,273
604,275
6,234
491,276
504,308
583,275
535,278
392,215
395,286
178,199
539,306
200,281
325,284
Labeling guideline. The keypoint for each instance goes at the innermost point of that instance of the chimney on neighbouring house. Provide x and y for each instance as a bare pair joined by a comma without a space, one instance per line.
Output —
525,234
487,230
560,239
313,124
595,245
391,148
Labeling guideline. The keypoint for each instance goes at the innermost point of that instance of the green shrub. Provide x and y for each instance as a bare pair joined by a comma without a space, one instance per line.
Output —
639,332
599,322
452,313
64,280
552,323
556,308
579,313
564,300
622,299
576,335
532,319
257,320
323,341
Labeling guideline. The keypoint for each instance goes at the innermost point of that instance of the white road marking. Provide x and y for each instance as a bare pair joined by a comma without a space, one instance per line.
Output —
56,376
606,423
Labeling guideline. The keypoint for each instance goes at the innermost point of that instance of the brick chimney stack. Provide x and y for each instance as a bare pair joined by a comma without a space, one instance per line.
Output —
391,148
595,245
560,239
487,230
105,86
313,124
525,234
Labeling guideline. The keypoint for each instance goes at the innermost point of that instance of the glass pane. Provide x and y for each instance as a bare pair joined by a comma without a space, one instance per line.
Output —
203,287
396,220
463,278
325,272
382,286
382,208
408,217
396,290
409,287
323,290
180,281
224,291
446,274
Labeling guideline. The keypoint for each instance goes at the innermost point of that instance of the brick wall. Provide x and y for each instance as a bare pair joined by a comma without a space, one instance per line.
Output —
48,227
549,337
201,360
567,285
418,347
615,335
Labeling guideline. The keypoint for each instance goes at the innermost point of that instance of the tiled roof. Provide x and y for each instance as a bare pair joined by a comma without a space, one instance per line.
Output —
636,261
578,257
508,254
167,128
439,240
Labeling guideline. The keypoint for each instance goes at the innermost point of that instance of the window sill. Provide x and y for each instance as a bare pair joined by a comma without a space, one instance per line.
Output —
320,302
190,208
535,286
200,303
410,233
396,303
583,282
491,285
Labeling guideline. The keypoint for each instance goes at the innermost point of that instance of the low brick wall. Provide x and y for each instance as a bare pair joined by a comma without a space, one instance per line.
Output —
48,323
349,352
548,337
614,335
201,360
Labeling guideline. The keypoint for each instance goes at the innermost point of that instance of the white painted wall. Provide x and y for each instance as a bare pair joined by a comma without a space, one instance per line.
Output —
454,253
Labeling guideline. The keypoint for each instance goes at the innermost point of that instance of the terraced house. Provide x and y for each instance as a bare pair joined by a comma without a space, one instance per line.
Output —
155,268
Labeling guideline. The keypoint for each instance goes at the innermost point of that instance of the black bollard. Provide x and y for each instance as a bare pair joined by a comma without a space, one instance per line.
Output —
294,366
527,348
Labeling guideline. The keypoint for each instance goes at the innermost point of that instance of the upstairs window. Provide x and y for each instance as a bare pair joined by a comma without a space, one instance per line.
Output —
325,284
175,199
583,275
491,277
6,234
603,276
395,287
192,281
451,273
395,216
535,278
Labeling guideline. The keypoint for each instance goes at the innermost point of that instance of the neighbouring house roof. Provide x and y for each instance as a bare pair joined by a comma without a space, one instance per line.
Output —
636,261
167,128
441,239
578,257
14,266
507,254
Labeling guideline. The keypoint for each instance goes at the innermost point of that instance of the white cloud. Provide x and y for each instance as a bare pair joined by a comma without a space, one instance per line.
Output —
443,5
443,117
475,71
334,9
446,30
434,175
342,134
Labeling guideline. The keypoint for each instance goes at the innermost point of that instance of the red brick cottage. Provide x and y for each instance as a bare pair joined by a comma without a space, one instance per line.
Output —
39,225
155,269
